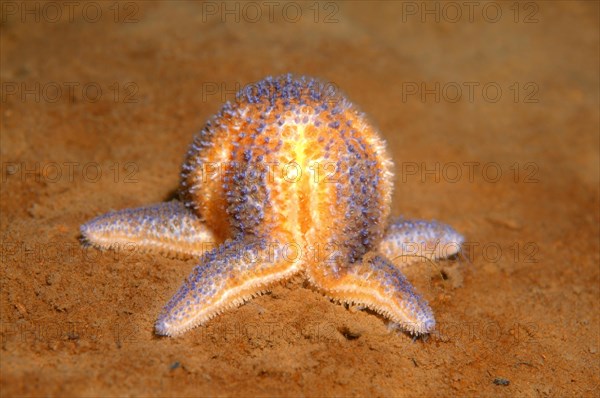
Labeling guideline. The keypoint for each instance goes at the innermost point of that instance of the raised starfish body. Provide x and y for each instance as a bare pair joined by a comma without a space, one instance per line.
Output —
288,179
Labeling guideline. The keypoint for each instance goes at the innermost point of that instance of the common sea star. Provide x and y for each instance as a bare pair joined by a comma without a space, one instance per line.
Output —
288,179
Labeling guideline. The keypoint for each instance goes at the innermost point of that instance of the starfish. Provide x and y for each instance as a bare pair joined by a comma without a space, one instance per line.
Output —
288,179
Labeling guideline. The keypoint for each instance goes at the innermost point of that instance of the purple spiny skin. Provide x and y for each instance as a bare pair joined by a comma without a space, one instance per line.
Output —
232,261
284,113
419,238
253,213
168,228
380,283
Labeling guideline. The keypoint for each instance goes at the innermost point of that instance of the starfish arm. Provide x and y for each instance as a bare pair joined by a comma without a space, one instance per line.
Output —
408,241
168,228
377,284
225,278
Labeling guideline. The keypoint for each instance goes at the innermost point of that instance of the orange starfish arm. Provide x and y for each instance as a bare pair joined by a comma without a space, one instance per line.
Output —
225,278
168,228
377,284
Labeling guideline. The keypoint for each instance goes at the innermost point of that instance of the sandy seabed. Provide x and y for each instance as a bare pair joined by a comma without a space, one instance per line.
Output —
492,120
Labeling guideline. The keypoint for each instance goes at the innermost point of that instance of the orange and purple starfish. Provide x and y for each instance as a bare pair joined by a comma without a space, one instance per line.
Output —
288,179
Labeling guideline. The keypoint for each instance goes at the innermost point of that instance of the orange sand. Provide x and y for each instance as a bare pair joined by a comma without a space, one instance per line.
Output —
78,322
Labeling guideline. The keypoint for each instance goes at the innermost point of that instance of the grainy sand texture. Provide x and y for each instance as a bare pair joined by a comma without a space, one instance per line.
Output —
491,114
